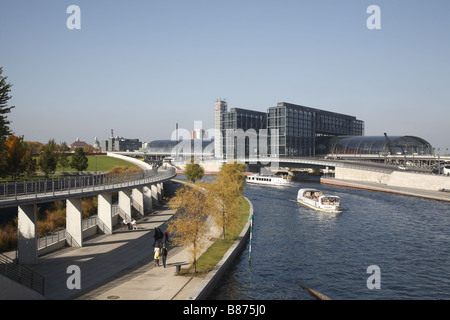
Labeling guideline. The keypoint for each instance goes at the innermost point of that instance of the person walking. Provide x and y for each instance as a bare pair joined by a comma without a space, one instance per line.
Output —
166,237
156,255
158,235
164,254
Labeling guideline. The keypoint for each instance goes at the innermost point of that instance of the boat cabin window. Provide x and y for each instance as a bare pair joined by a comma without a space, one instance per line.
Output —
331,201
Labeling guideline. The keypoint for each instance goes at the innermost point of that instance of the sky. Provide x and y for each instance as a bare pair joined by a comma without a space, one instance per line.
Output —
140,67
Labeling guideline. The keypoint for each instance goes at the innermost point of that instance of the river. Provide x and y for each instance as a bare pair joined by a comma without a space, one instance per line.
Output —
407,238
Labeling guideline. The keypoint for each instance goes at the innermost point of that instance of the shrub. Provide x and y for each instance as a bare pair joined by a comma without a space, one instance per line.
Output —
8,236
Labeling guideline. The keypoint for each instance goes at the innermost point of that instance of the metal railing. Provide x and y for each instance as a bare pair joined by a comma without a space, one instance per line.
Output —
89,222
22,274
82,184
51,238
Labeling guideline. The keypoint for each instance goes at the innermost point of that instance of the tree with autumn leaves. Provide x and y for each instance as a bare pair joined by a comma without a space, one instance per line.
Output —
17,160
195,204
227,191
189,226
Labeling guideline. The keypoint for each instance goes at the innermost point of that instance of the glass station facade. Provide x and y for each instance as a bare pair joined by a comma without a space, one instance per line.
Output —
301,128
379,145
238,118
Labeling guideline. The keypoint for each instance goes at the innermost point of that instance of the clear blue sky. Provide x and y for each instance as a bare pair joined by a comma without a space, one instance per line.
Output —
139,67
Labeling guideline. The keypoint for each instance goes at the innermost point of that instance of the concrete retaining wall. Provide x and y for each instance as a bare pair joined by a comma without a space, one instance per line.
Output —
208,284
207,166
396,178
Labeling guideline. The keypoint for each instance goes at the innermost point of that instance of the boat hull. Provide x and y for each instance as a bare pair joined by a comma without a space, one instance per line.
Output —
317,207
269,181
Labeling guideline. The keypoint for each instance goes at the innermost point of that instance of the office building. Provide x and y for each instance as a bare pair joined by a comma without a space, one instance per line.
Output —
120,144
301,129
293,130
246,120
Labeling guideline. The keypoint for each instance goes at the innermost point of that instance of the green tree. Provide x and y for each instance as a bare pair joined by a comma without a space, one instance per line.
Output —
5,131
30,164
194,171
63,156
48,158
5,88
79,160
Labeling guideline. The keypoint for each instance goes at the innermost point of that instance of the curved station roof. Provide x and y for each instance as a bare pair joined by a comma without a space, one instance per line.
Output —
380,144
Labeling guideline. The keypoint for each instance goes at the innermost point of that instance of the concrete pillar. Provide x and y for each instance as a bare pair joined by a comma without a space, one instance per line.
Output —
74,219
27,234
155,199
125,202
147,192
138,200
160,191
105,211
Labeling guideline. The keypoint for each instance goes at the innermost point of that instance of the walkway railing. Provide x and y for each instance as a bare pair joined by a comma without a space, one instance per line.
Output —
21,274
51,238
82,184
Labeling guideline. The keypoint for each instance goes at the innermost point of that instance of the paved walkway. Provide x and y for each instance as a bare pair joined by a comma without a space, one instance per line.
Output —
428,194
121,266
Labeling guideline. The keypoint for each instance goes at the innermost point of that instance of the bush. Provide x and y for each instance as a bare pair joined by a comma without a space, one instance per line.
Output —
89,206
8,236
123,169
52,219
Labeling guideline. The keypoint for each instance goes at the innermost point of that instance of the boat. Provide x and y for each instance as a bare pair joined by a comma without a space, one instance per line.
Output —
274,180
316,200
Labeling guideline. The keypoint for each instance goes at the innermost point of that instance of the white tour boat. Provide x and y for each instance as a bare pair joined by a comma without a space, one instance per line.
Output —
316,200
274,180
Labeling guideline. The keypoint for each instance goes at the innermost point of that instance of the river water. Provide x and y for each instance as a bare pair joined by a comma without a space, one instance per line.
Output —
407,238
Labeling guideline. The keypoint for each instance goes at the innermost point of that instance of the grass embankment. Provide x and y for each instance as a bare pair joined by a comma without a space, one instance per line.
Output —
217,250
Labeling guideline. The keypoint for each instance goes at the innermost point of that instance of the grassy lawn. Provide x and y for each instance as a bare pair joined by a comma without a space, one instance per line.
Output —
101,163
96,163
217,250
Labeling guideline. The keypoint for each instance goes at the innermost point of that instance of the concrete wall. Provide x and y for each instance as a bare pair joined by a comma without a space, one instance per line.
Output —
208,167
396,178
137,162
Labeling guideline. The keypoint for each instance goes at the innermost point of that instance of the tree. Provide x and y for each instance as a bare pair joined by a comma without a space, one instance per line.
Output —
194,171
189,226
13,154
63,158
5,131
33,146
5,88
48,159
29,164
79,160
228,190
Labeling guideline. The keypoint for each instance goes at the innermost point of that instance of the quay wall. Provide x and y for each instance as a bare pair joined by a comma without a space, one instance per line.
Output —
396,178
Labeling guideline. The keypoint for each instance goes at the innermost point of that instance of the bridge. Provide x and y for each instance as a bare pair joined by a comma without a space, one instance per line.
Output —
340,160
138,191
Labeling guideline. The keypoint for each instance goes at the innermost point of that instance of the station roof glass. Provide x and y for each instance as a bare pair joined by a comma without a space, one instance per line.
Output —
379,144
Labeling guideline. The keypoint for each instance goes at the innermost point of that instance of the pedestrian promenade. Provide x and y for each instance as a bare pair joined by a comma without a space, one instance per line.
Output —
121,266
